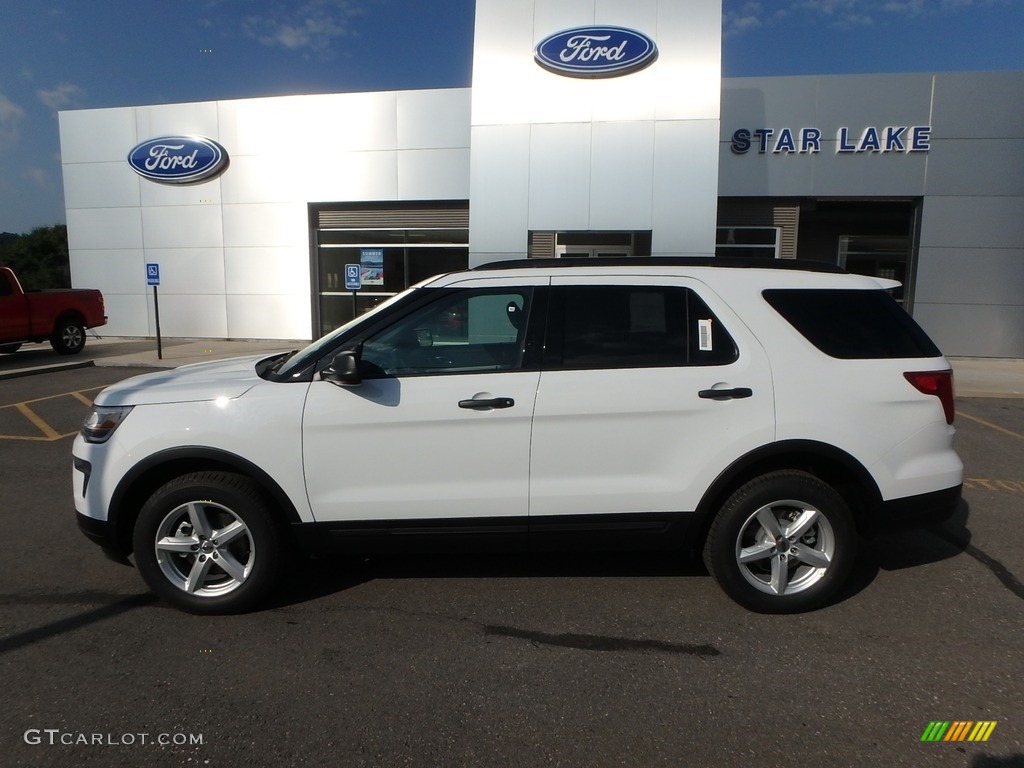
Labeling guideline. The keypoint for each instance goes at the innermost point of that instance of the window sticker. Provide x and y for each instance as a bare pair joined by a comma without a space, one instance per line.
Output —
704,340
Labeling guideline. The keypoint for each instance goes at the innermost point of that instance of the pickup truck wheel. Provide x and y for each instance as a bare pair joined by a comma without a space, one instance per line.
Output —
68,337
783,543
206,542
7,349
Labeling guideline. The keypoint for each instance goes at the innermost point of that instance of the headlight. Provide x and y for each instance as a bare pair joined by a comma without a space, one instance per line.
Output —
102,421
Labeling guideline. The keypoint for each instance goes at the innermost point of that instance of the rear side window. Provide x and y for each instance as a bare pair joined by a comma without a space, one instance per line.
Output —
632,326
852,324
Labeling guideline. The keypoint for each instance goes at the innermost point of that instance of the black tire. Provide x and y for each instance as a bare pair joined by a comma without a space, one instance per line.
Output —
761,567
178,552
68,336
8,349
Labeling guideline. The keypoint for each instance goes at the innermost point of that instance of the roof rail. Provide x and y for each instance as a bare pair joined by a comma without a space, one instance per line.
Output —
805,265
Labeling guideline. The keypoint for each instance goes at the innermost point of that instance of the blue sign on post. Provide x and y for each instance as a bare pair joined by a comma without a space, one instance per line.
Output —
152,274
353,277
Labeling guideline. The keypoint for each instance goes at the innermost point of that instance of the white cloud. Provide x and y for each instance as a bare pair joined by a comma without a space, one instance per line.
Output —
742,15
36,176
11,116
746,17
63,95
311,27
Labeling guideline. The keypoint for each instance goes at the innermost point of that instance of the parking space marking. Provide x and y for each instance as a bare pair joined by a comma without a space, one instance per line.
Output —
49,434
86,401
990,425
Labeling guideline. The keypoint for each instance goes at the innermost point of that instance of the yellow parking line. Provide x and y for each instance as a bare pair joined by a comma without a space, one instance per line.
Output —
989,424
76,394
48,431
82,398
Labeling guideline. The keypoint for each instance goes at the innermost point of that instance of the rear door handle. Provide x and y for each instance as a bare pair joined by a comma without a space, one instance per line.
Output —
726,394
487,404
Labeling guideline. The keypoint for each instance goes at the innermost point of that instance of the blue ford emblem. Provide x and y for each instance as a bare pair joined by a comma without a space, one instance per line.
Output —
596,52
178,159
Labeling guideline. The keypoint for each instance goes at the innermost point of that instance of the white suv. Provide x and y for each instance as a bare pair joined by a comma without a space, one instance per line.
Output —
766,414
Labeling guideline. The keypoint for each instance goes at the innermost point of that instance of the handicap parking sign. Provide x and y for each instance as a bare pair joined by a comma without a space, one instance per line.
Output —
153,274
353,277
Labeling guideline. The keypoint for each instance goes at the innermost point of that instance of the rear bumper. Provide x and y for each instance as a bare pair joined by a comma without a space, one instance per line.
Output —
916,511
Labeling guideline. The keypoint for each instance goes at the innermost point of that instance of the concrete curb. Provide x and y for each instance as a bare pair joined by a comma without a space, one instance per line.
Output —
20,372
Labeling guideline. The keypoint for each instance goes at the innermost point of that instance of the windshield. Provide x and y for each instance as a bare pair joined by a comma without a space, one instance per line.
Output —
289,366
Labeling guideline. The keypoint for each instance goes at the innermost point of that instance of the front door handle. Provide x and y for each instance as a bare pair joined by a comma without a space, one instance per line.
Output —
726,394
485,404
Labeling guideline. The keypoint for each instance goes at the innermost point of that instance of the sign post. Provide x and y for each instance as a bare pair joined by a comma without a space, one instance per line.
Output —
353,282
153,278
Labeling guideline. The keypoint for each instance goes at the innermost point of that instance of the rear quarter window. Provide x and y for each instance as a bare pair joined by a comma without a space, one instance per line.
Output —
852,324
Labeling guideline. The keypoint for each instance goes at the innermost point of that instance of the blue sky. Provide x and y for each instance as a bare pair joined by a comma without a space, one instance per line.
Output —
77,54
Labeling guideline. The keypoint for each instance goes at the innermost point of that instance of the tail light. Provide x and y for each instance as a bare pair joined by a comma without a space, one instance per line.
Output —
938,383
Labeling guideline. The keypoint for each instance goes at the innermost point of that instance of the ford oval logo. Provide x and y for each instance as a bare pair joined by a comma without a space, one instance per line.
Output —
178,159
596,52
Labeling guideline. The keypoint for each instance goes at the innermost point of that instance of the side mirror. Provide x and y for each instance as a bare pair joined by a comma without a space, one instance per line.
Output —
343,370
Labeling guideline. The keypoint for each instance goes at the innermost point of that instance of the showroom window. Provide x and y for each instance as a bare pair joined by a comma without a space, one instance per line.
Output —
747,242
394,246
589,245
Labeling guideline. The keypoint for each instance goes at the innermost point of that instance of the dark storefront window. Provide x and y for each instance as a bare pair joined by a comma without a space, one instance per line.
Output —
391,261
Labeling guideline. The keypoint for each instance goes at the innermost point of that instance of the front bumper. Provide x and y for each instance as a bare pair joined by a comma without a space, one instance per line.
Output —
101,532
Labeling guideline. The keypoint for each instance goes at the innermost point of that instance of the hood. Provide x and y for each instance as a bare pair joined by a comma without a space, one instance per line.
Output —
189,383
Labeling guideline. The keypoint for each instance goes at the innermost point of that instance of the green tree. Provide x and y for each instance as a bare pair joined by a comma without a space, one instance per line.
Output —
40,258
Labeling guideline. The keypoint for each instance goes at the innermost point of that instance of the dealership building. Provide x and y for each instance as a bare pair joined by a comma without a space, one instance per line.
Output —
590,130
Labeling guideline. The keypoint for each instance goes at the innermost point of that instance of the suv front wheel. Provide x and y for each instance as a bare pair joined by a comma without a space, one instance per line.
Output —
207,542
783,543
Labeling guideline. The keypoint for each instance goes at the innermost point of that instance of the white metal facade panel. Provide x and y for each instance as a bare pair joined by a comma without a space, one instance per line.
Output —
96,135
128,314
571,145
191,315
117,270
103,229
559,162
201,118
268,317
498,225
119,185
681,204
434,119
257,270
188,271
432,174
187,226
624,149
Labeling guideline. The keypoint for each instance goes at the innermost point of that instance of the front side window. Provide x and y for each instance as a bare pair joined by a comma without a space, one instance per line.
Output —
462,331
633,326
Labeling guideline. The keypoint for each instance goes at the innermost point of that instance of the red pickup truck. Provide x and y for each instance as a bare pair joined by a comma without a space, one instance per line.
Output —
60,315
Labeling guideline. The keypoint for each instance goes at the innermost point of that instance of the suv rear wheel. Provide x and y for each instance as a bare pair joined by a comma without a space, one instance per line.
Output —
783,543
207,543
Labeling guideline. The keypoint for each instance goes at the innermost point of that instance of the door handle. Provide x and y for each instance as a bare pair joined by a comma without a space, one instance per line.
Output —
486,404
725,394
